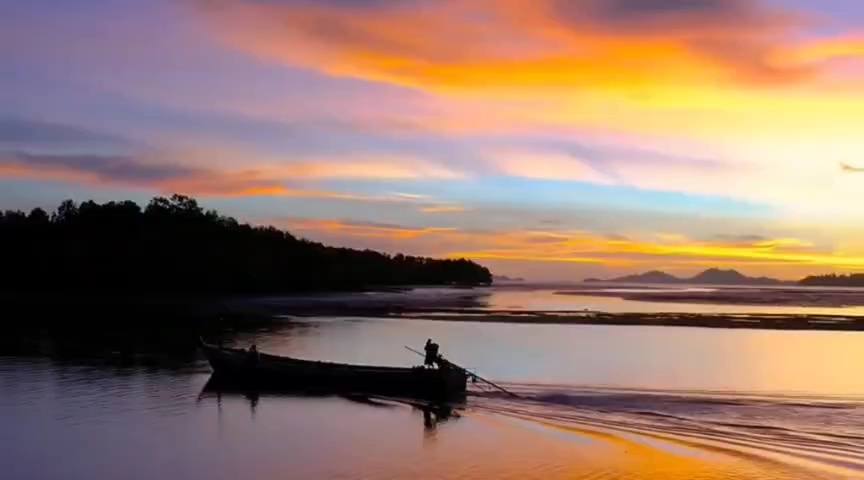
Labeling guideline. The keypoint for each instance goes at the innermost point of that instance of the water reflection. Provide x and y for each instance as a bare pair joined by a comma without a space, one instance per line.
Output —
434,414
162,345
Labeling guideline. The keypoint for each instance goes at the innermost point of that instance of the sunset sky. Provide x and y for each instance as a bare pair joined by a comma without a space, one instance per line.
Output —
549,139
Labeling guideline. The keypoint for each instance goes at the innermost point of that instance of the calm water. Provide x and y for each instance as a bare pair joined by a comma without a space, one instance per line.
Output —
599,402
546,299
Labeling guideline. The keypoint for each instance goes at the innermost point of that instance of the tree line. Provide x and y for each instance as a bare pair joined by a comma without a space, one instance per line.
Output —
175,246
834,280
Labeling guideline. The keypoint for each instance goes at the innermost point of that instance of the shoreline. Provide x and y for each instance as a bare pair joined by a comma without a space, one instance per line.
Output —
236,311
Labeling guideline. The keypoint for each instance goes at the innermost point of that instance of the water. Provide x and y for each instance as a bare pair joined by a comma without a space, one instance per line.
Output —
599,402
549,299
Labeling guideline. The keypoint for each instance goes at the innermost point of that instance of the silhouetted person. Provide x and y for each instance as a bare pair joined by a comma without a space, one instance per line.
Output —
253,397
432,355
252,357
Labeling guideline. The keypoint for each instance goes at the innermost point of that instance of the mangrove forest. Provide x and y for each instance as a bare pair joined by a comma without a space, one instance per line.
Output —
174,246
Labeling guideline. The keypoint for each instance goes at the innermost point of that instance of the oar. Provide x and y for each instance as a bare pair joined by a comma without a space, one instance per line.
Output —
489,382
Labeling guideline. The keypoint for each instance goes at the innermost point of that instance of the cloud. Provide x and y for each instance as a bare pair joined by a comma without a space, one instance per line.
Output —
369,167
787,180
410,196
738,36
540,164
627,167
25,133
680,68
347,4
709,70
391,238
742,238
129,171
165,176
642,169
442,209
522,43
829,49
360,229
845,167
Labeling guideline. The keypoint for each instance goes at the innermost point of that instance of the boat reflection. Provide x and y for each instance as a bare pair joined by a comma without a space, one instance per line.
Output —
434,413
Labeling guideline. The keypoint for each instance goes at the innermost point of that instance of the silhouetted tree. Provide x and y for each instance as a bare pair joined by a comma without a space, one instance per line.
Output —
834,280
174,246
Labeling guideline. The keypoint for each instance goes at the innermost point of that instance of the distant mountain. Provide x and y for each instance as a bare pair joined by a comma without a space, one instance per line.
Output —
717,276
654,276
712,276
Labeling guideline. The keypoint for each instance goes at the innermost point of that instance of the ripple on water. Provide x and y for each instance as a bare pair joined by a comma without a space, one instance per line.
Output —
789,433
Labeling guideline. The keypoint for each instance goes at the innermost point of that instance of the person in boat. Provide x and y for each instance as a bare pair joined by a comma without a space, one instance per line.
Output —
432,355
252,356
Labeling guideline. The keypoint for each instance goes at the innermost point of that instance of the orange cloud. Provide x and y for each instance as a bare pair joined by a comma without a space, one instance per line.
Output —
486,44
568,247
689,69
371,167
113,170
165,177
366,230
828,49
743,81
442,209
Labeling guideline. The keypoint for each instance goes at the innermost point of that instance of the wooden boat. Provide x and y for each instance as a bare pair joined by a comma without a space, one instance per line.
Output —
271,372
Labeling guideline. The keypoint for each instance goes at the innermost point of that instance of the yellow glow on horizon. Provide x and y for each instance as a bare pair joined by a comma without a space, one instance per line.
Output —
580,247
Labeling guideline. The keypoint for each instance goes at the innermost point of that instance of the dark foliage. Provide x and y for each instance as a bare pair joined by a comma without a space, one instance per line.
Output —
834,280
173,246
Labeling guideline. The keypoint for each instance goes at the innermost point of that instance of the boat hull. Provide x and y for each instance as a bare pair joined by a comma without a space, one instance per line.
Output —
275,373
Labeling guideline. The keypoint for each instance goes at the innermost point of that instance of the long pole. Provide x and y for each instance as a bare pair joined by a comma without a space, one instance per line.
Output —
489,382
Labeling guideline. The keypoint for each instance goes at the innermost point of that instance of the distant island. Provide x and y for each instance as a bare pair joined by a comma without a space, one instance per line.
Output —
716,276
712,276
173,246
505,278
